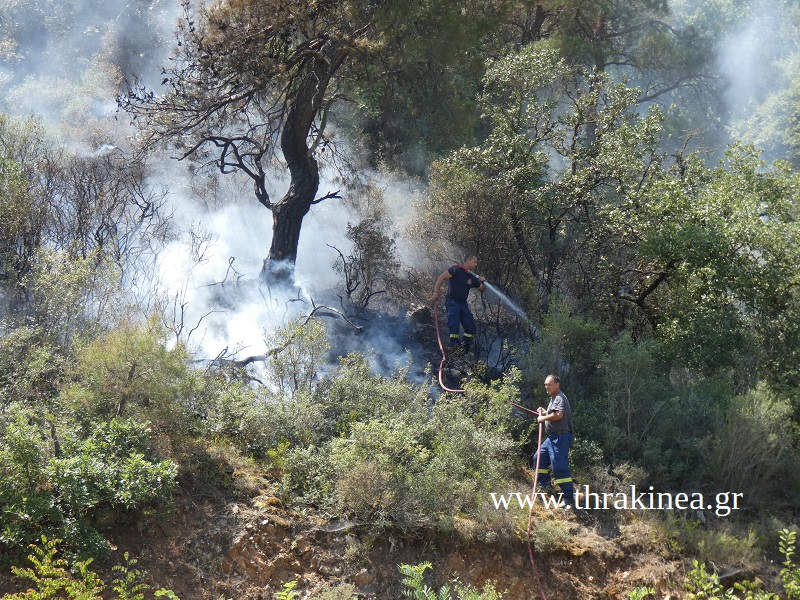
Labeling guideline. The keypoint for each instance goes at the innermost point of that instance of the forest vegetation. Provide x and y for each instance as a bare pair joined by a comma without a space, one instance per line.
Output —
638,204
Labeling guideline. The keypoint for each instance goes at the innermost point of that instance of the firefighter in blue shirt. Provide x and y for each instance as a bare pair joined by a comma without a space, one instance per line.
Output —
461,280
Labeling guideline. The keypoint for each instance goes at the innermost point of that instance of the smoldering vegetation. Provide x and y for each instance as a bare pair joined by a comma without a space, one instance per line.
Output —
626,174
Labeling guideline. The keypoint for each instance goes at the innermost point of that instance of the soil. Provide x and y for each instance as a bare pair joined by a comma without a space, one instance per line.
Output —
229,538
216,547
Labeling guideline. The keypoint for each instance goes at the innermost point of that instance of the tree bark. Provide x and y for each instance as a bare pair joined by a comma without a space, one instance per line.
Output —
289,211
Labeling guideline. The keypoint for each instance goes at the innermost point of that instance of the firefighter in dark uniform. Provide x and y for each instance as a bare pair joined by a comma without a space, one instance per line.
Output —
461,280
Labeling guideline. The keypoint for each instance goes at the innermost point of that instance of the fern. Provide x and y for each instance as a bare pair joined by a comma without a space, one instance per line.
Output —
51,576
127,587
790,575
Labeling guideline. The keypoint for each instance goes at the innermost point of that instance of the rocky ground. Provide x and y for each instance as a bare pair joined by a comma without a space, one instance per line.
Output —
230,537
247,550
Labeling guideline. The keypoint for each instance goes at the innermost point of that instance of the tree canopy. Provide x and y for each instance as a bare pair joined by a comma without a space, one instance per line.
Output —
253,83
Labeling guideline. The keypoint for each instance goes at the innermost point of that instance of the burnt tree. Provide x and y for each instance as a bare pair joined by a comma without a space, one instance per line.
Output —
248,90
252,83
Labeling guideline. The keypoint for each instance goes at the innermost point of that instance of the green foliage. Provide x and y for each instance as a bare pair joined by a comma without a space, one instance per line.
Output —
790,574
60,481
287,591
376,466
702,584
31,364
72,296
29,507
548,536
113,467
640,593
130,373
412,470
415,584
127,585
635,395
296,353
22,212
570,345
761,416
53,577
354,393
386,456
729,247
416,588
566,159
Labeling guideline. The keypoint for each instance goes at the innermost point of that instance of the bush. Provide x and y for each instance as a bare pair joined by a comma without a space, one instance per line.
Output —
296,352
29,507
31,364
130,373
752,445
113,467
397,460
59,484
354,393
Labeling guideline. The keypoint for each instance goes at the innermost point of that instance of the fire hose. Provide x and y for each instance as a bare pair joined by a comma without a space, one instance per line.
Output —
538,448
441,349
533,492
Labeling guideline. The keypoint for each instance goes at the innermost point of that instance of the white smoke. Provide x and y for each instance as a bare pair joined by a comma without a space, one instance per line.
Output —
70,58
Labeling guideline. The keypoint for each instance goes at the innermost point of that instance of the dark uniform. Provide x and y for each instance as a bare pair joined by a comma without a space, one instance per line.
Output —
458,312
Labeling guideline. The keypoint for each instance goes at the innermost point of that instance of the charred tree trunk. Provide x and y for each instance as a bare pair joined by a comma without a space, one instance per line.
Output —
287,220
289,211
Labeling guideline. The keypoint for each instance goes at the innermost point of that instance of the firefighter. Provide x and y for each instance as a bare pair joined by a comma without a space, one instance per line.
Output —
461,280
554,453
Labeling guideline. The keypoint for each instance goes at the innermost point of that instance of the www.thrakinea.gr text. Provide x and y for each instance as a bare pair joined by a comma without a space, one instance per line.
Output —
722,503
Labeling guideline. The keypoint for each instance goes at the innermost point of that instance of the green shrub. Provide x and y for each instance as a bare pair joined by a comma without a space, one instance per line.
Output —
296,353
353,393
30,365
375,467
28,504
257,422
416,588
130,373
58,481
761,419
388,457
408,469
114,466
307,470
53,577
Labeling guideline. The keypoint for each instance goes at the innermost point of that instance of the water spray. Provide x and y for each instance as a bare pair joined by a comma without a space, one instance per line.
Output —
505,299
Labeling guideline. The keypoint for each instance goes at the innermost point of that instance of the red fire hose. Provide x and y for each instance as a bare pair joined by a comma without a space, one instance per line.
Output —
441,348
538,447
530,513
